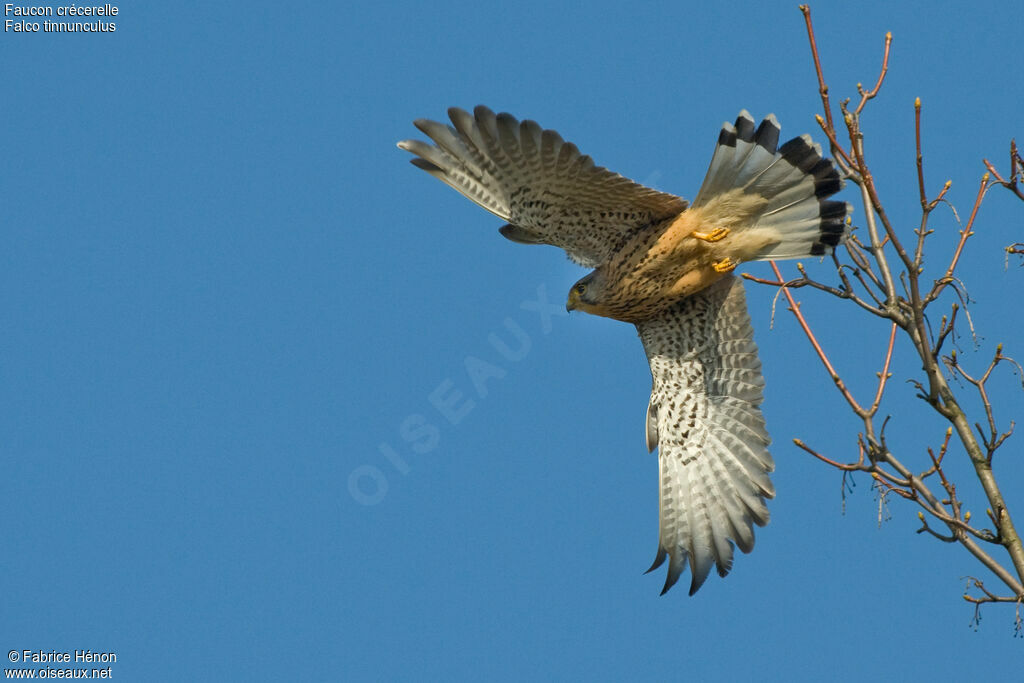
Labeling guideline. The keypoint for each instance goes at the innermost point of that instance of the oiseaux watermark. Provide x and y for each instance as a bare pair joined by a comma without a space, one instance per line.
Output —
453,401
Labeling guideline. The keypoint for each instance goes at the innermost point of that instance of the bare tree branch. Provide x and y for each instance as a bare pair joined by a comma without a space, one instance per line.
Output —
869,279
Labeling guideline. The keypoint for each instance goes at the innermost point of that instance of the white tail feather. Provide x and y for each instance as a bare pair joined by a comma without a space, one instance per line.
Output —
793,181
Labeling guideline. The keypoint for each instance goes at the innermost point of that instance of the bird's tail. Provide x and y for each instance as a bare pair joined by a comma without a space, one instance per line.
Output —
791,182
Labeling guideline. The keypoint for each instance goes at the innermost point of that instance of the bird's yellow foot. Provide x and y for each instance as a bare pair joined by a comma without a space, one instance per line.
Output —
713,236
724,266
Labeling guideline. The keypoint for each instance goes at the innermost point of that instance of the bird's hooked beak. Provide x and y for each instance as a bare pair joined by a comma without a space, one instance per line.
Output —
574,300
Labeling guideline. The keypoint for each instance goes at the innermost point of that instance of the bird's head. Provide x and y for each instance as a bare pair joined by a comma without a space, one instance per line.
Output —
586,294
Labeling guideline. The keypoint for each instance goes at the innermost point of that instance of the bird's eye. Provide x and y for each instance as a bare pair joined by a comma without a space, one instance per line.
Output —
581,288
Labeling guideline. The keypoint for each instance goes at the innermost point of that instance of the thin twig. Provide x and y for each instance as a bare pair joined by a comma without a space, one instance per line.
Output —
920,158
865,96
822,88
965,233
795,308
884,376
846,467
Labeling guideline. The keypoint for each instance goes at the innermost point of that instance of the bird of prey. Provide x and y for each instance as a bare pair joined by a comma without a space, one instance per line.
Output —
665,266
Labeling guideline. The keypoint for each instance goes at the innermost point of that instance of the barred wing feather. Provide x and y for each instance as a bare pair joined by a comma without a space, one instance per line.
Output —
705,419
547,191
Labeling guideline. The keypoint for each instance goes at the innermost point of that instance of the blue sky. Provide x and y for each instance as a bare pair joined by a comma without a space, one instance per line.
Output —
226,291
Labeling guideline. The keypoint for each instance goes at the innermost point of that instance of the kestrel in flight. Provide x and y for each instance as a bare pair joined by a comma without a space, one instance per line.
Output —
665,266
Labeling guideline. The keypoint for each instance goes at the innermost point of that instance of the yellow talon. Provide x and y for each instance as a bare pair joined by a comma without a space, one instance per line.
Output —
713,236
724,266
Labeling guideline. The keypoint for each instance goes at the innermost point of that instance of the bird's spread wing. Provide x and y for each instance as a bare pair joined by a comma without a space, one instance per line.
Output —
704,418
547,191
